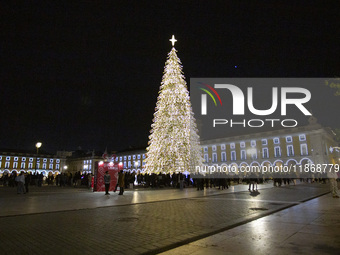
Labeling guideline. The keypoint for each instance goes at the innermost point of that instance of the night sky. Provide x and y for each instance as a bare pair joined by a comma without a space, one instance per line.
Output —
87,73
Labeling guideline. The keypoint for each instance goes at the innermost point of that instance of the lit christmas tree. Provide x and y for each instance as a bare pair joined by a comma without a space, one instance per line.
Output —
174,142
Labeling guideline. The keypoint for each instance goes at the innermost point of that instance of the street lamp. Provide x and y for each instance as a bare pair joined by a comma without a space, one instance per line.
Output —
65,168
120,166
252,152
38,145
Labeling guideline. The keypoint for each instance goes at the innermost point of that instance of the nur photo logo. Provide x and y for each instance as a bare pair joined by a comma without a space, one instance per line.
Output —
204,97
251,102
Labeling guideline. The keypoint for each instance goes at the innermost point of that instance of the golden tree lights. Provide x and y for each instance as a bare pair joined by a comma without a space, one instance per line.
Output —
174,142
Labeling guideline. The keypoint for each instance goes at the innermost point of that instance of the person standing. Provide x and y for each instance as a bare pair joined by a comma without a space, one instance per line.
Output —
89,180
181,181
27,181
121,182
333,183
107,180
20,179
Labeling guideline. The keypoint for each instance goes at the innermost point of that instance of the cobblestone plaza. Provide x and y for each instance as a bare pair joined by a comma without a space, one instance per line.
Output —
53,220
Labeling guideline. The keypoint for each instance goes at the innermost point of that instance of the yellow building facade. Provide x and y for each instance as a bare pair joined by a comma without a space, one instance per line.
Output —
28,162
311,144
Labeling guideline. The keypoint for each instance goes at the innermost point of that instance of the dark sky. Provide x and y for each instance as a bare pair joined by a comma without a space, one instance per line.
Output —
87,73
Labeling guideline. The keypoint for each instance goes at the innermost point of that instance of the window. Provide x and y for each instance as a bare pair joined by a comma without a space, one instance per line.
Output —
22,165
120,158
124,157
31,159
214,147
138,156
15,164
8,158
242,144
0,157
243,154
44,166
57,166
303,149
30,165
125,163
38,159
129,158
143,156
57,161
276,140
129,164
38,165
134,157
265,153
253,143
289,139
302,137
51,160
15,158
223,157
222,146
290,150
23,159
205,149
7,165
45,160
232,146
214,157
277,151
51,166
206,158
233,155
264,142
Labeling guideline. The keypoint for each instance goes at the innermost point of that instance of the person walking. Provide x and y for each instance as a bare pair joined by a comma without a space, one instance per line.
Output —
107,180
121,182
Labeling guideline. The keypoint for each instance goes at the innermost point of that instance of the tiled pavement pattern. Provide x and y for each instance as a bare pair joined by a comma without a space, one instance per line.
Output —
145,227
308,228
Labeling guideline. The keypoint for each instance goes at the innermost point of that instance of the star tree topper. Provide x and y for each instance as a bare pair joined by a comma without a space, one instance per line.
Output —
173,40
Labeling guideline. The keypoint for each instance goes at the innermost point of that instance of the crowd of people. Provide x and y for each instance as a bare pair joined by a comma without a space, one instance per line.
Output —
177,180
30,179
38,179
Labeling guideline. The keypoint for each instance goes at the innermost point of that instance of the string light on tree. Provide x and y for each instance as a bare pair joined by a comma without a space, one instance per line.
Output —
174,141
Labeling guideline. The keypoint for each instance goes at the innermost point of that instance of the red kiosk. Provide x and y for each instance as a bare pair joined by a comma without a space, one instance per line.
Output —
99,171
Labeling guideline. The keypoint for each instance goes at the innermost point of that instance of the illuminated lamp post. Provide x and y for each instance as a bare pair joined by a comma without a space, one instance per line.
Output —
252,151
37,145
120,166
